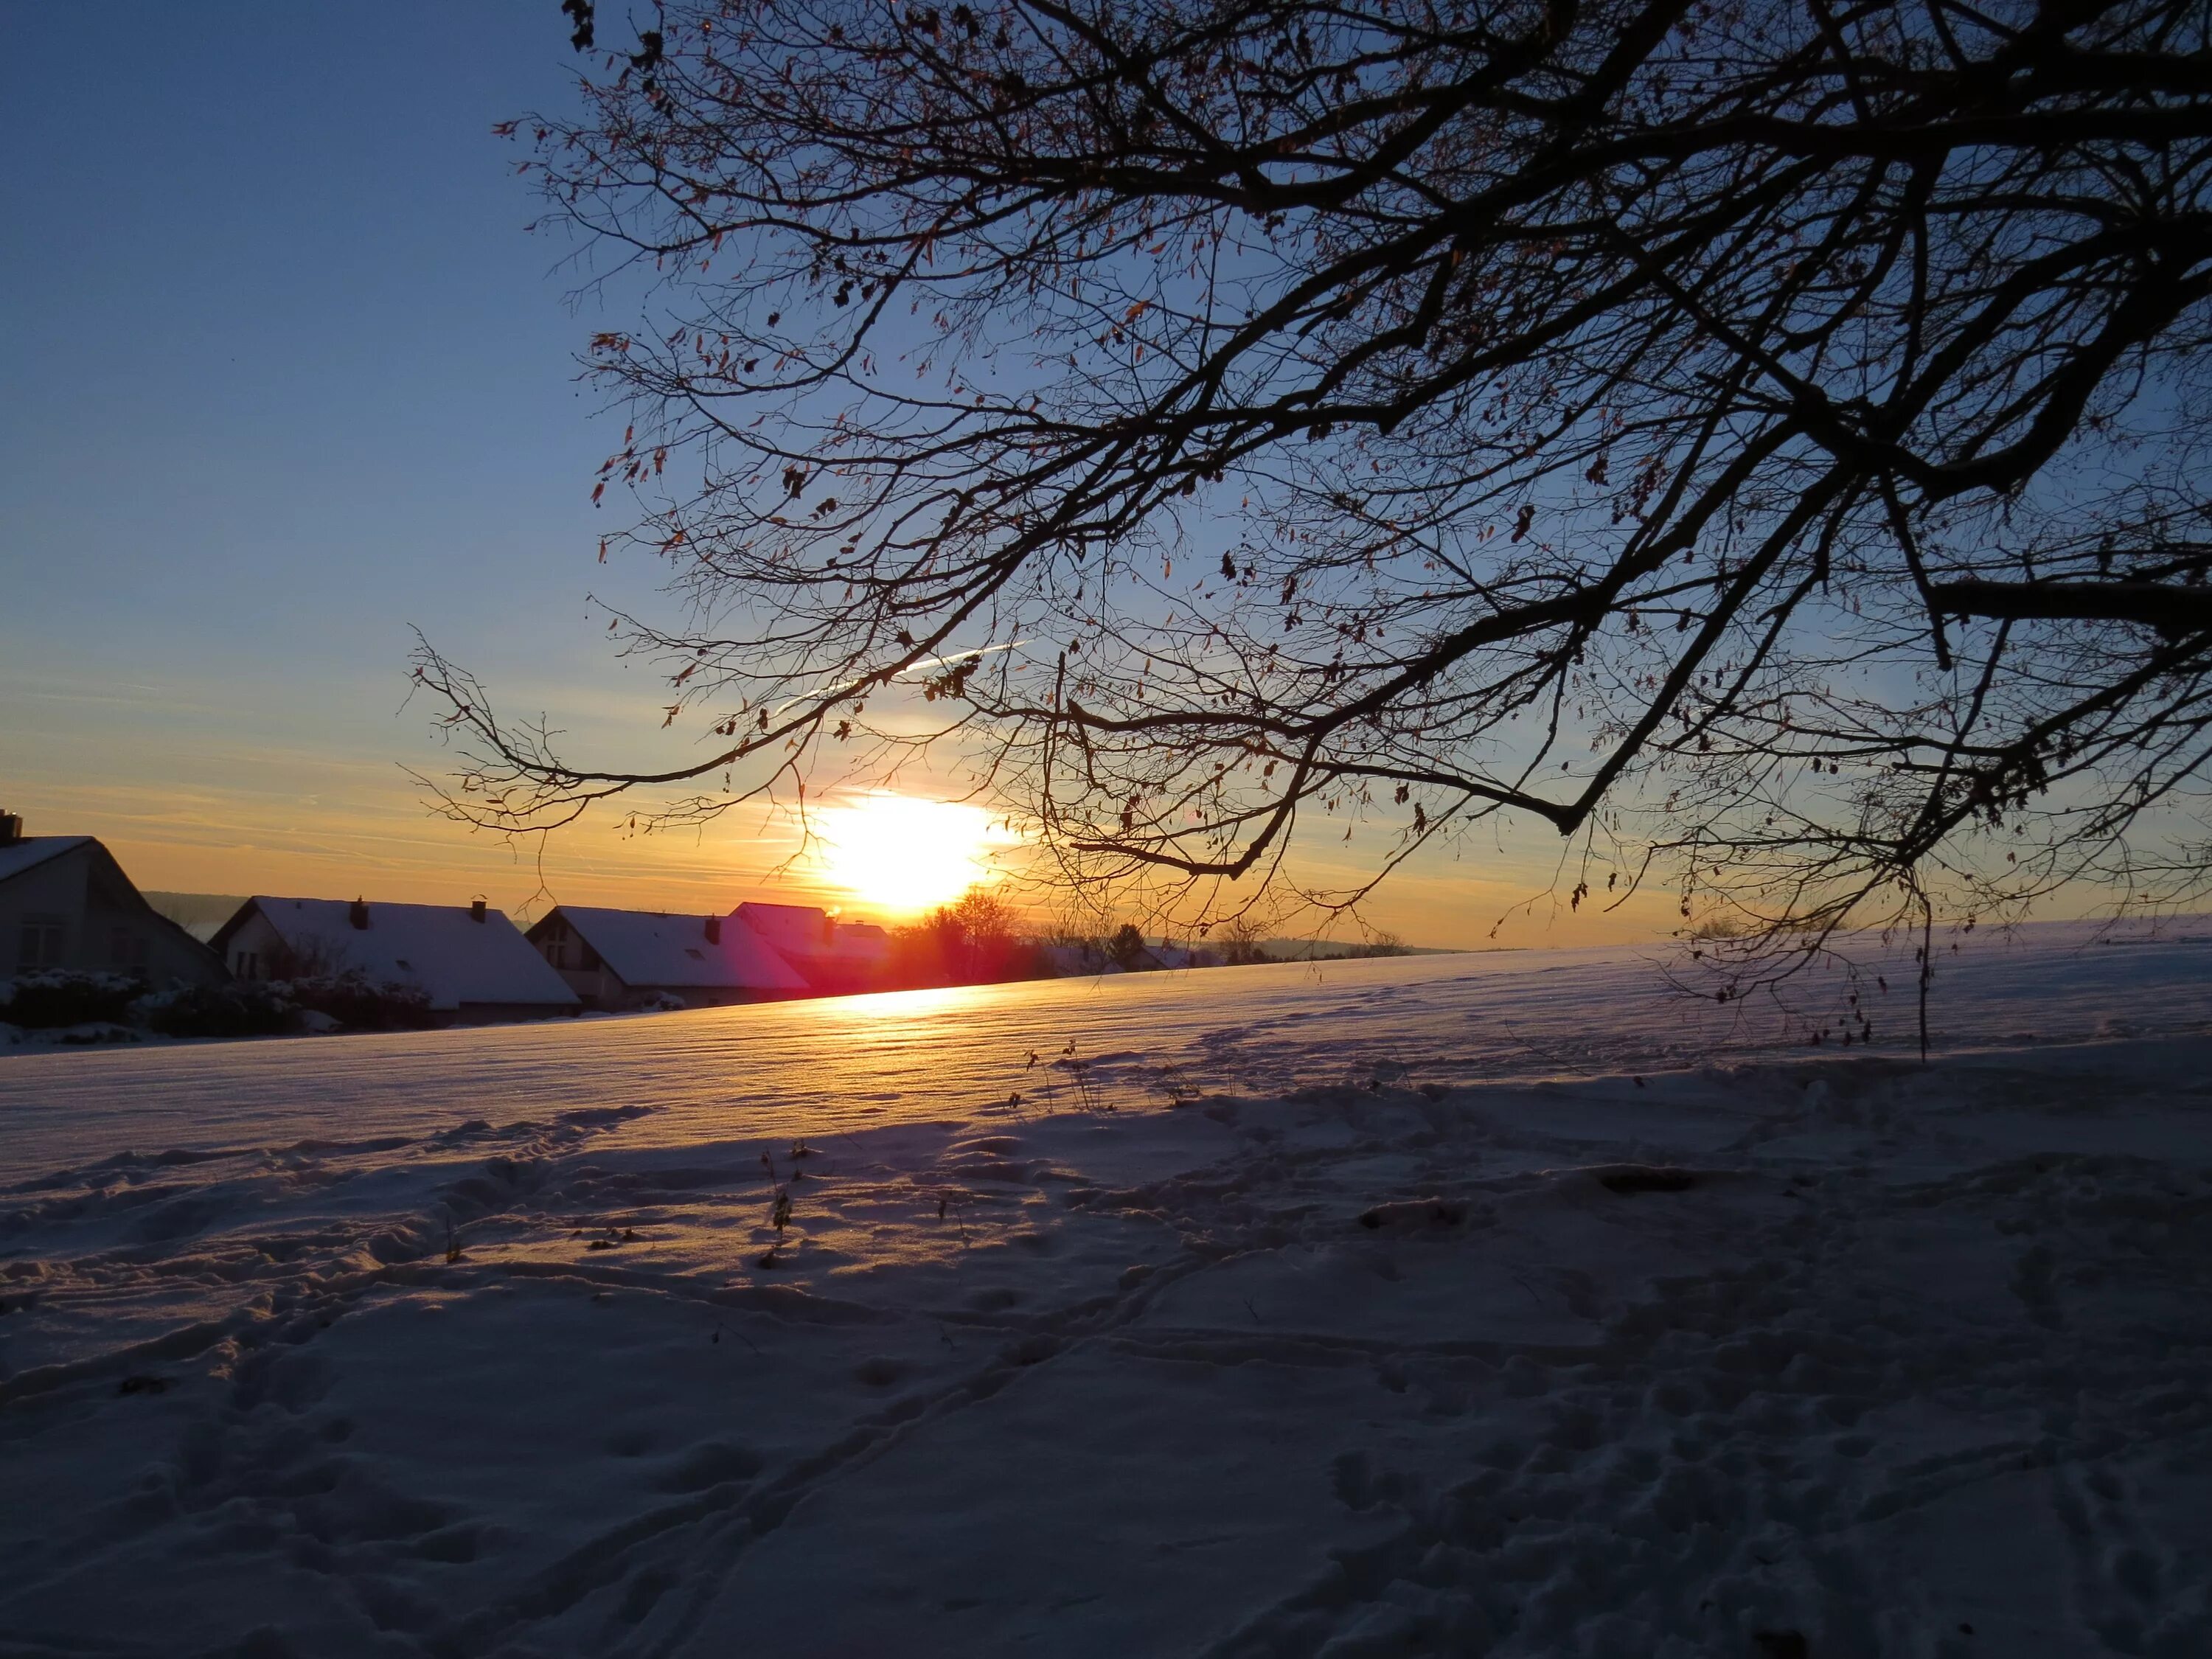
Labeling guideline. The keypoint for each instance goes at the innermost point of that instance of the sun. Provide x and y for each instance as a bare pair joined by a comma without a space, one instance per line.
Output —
904,853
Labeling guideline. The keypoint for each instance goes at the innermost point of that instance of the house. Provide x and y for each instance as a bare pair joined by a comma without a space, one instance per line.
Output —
1169,954
794,929
863,946
473,963
1087,957
632,958
65,903
837,957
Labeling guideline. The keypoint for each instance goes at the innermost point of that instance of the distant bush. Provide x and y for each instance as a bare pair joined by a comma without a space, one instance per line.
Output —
54,997
269,1007
1717,928
244,1008
1240,942
359,1005
86,1036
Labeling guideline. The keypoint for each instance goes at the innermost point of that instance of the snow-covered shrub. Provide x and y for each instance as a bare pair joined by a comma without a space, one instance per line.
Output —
360,1005
267,1008
660,1002
243,1008
52,997
86,1036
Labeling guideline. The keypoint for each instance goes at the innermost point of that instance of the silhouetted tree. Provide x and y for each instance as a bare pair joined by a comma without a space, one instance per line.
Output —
1238,942
974,941
1125,950
1761,439
989,930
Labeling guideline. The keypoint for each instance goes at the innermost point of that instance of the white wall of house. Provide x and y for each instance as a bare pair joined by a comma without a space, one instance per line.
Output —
256,951
577,964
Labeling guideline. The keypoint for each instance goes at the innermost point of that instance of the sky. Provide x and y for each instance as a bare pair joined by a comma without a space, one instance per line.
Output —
286,377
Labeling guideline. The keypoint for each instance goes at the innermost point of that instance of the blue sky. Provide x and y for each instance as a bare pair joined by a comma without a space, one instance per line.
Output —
286,376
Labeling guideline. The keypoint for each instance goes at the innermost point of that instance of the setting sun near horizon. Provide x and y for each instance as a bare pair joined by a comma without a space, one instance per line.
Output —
905,853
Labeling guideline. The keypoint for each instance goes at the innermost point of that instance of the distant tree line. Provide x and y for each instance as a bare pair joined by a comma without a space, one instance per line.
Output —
983,939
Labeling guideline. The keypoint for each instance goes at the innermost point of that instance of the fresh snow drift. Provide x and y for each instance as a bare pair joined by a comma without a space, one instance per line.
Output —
1504,1305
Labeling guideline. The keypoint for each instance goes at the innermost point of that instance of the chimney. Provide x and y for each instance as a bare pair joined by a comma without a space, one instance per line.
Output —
713,930
11,828
476,909
357,914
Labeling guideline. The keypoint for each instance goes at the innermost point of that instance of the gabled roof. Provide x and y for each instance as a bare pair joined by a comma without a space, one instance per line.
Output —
645,948
803,929
860,939
34,850
439,947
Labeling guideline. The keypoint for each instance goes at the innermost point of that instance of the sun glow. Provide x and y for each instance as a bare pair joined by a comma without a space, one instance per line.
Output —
905,855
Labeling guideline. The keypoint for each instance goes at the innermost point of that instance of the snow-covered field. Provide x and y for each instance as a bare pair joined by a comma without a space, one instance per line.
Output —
1497,1304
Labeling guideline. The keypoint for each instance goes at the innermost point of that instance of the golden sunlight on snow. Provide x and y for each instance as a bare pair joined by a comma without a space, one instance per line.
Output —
900,852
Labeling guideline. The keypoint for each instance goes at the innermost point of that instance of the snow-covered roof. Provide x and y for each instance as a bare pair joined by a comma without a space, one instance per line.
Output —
861,941
803,933
34,850
801,929
440,947
645,948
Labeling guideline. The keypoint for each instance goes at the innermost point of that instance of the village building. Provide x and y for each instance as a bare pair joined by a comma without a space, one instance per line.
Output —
837,957
617,959
862,947
1089,957
65,903
473,963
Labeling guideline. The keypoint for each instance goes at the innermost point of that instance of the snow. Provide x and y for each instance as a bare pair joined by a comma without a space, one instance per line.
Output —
646,949
34,850
439,947
1491,1304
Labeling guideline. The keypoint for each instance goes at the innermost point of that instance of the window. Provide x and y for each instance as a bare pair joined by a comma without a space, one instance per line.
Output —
246,964
40,943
